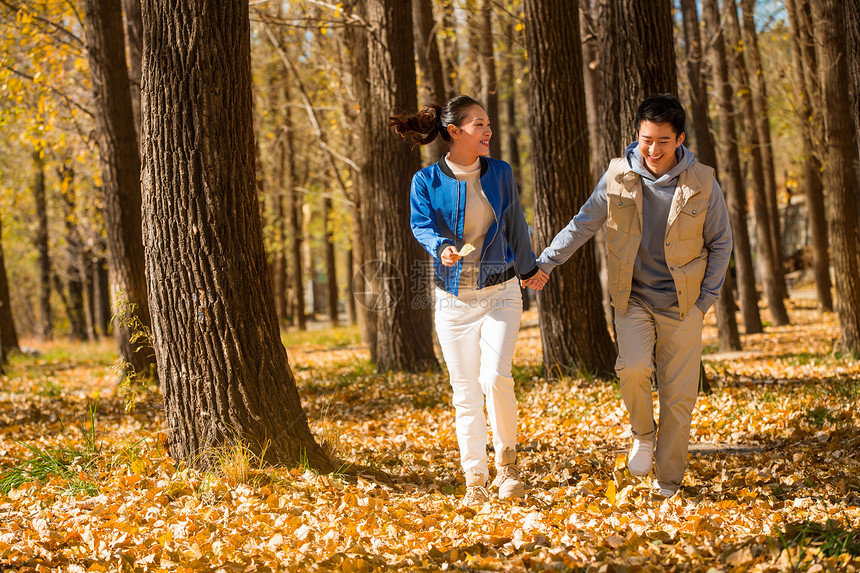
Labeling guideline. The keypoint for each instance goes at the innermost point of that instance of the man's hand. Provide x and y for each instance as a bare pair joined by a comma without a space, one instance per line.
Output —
450,256
537,282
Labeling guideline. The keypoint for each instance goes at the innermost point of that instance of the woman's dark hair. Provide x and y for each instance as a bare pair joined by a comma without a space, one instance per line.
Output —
423,127
662,108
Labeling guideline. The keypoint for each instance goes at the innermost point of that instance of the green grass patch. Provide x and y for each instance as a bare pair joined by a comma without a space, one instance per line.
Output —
330,338
829,538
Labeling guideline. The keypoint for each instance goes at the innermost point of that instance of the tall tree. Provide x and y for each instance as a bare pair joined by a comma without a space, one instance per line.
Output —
40,241
119,156
806,92
404,320
73,256
839,178
430,66
758,89
852,32
573,325
489,85
224,373
731,180
8,332
134,37
727,325
768,260
611,141
330,267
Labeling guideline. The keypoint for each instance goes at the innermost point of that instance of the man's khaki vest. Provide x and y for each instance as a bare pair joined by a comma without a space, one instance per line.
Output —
684,245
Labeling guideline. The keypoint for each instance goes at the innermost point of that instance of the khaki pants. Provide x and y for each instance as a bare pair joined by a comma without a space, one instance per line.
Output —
650,339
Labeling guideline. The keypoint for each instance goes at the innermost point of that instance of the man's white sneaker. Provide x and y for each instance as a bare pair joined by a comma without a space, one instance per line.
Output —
641,457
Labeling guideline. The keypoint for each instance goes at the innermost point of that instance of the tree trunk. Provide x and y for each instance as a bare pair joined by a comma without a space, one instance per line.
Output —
134,40
852,31
101,279
430,65
727,325
610,142
489,86
224,373
573,325
85,265
294,207
120,164
40,241
450,50
768,260
8,333
732,182
404,317
758,88
74,255
330,267
811,179
840,184
647,56
351,310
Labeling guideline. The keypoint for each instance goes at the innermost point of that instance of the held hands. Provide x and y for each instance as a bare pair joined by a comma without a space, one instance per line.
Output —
537,282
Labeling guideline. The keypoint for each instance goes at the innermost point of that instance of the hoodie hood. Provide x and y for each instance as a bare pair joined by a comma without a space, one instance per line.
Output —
637,163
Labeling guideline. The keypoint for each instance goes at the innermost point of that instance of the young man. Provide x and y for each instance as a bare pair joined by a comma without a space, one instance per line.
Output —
669,243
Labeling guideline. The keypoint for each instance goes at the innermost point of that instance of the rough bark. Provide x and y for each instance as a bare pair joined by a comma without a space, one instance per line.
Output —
731,180
430,65
404,317
758,88
40,241
813,188
852,36
119,157
768,260
134,41
489,85
8,332
330,267
224,373
450,50
839,181
727,325
73,258
610,143
573,325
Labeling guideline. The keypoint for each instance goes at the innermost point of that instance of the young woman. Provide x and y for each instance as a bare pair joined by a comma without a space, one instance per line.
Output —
466,212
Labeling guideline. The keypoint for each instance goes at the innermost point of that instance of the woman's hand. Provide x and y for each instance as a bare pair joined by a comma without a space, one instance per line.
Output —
537,282
450,256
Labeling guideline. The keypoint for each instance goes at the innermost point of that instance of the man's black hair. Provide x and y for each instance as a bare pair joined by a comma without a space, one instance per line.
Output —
662,108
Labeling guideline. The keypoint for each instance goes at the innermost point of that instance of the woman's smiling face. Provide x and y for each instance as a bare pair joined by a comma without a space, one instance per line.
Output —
472,136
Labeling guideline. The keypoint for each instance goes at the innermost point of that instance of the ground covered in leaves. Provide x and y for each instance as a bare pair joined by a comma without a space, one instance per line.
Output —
773,481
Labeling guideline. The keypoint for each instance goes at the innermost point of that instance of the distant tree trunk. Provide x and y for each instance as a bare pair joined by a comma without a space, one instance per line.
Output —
647,56
74,248
101,280
511,131
727,325
806,92
430,66
768,260
489,86
134,39
8,333
404,319
758,87
224,373
611,142
732,182
330,267
351,310
40,241
839,171
120,164
591,83
450,51
85,270
573,325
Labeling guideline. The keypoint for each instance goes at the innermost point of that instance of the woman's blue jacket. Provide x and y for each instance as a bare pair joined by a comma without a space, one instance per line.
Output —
438,205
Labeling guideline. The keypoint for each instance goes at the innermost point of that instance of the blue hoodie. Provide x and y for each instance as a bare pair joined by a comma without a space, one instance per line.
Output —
652,280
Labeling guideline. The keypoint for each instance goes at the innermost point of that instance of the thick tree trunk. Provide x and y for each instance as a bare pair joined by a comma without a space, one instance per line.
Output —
489,86
224,373
330,267
768,260
40,241
8,333
120,164
839,178
573,325
732,182
809,130
430,65
852,32
74,255
758,87
727,324
647,57
404,317
134,40
611,142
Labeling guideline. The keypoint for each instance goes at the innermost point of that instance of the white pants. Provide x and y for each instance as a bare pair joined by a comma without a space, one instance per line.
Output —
478,334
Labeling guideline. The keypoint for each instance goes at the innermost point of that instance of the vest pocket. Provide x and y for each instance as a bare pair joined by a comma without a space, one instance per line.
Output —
621,214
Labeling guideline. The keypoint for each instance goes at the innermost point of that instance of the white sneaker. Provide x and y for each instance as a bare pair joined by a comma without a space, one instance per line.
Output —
641,457
508,478
476,491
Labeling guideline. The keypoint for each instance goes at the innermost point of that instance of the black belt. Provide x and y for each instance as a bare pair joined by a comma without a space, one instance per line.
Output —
492,280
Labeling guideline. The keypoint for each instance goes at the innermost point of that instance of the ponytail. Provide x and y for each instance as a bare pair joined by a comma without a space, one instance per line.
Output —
424,126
